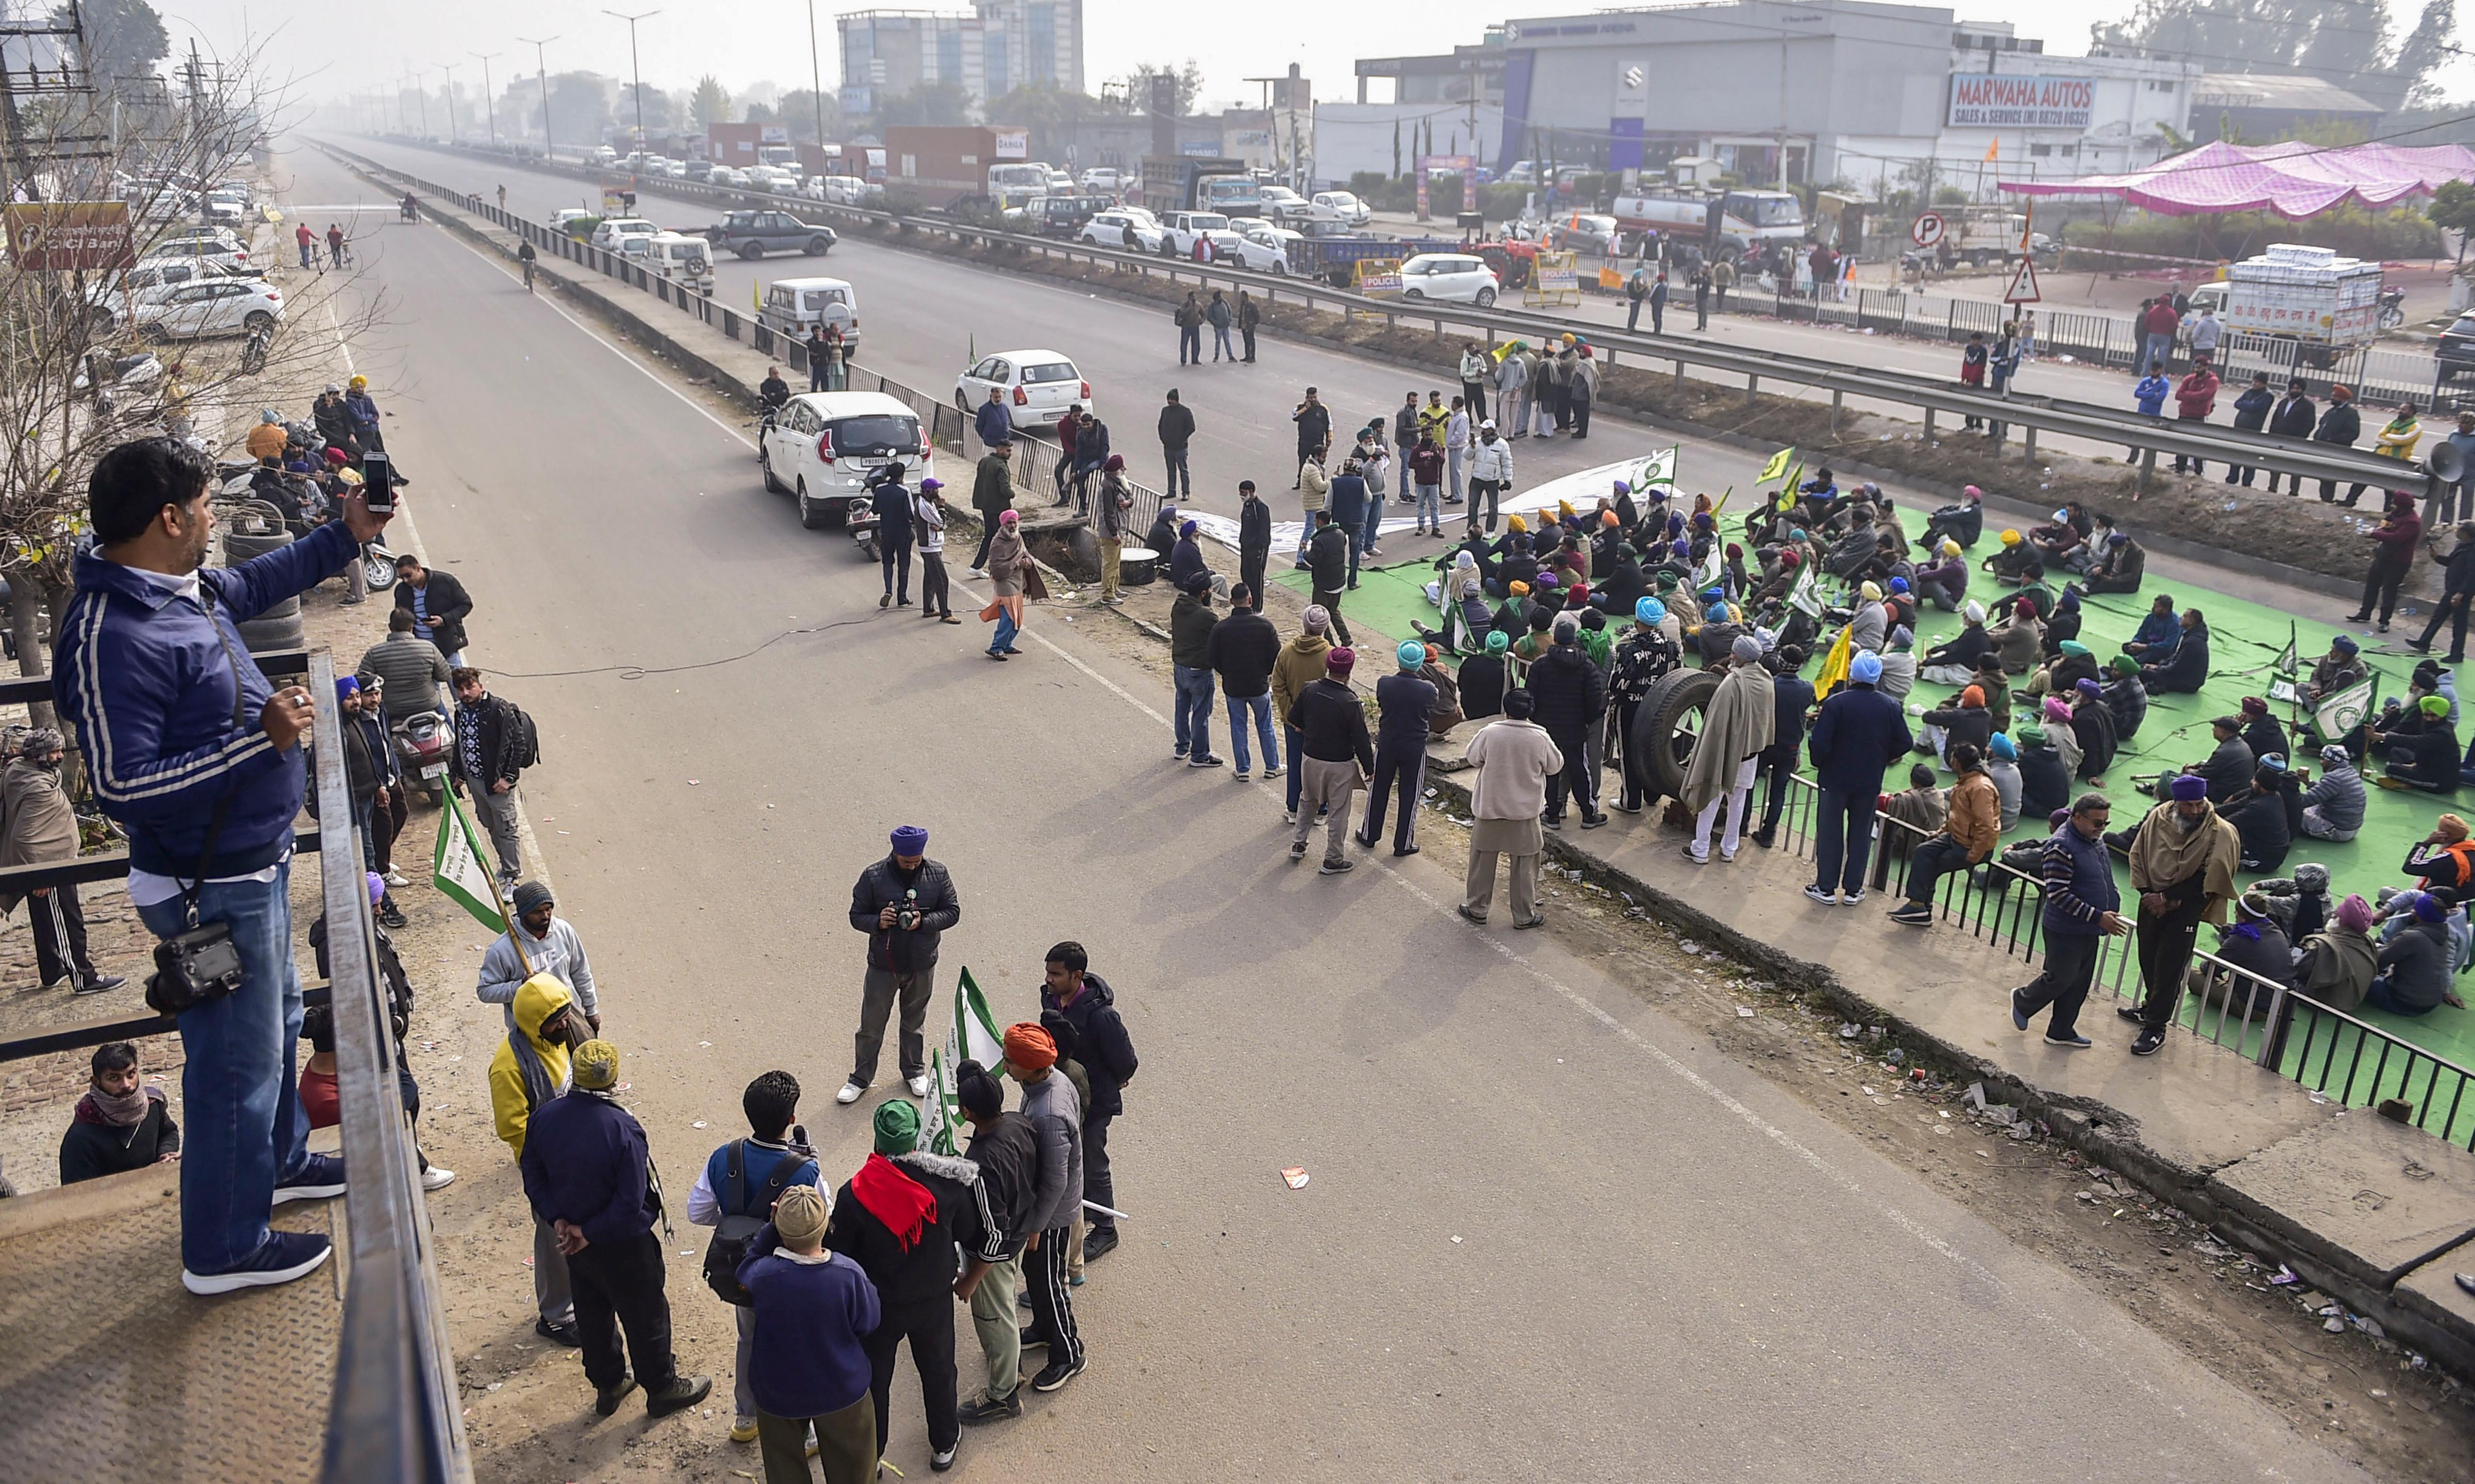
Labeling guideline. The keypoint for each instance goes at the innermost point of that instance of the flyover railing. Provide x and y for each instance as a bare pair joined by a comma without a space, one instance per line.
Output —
1935,398
393,1416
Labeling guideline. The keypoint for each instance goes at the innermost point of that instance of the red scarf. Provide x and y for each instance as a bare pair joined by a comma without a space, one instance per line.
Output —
905,1205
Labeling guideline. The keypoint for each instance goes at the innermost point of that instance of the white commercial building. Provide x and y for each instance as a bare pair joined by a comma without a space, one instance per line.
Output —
1354,138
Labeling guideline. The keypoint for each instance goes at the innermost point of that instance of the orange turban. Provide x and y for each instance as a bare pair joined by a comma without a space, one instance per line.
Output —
1029,1047
1972,697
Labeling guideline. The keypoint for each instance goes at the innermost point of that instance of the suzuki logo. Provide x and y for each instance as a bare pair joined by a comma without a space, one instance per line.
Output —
1633,77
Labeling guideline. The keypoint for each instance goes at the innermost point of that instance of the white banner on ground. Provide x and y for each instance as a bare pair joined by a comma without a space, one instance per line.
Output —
1583,489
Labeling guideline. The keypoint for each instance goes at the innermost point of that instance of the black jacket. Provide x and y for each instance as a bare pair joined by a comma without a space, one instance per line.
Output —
2459,575
2045,784
1254,528
92,1149
892,505
1100,1043
484,724
1314,427
1571,691
1962,724
333,422
2185,669
2341,424
884,885
2252,408
925,1273
1328,559
1482,681
1191,625
1332,724
1404,704
2295,418
2260,830
1792,700
1243,649
1008,1153
1176,425
447,599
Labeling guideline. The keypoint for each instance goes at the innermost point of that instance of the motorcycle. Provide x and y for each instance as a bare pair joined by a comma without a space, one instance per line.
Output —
421,741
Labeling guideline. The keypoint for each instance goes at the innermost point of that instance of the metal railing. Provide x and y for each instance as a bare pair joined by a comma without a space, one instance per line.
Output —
393,1416
2271,1025
1932,396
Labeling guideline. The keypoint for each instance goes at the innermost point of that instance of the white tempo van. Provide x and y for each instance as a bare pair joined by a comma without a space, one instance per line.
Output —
793,304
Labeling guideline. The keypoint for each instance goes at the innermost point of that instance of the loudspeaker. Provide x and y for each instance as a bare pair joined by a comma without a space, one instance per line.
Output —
2447,462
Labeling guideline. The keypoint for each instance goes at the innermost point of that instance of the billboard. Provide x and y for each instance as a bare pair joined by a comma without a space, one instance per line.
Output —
59,237
1987,100
1014,144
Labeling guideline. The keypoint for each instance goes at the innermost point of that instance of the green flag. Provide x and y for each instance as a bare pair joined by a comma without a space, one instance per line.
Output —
1806,597
971,1035
2338,714
2287,662
462,871
1776,467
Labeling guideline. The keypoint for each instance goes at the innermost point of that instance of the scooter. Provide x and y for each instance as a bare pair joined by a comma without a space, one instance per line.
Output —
421,741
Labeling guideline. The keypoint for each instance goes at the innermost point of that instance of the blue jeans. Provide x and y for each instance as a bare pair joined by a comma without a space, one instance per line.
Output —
1220,342
1003,643
2154,351
2381,994
1259,707
1189,344
1177,472
1843,820
1193,711
1430,508
246,1131
1374,522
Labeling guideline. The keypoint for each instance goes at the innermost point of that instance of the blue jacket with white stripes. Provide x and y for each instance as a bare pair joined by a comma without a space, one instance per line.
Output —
150,689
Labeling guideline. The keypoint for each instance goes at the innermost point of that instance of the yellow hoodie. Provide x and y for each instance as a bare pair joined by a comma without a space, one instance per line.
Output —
537,999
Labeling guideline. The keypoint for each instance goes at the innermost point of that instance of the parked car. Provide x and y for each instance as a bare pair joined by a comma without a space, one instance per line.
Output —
841,190
1103,180
699,170
2454,353
1035,384
1340,205
1258,245
767,177
682,258
1591,236
210,306
1108,229
560,218
1179,230
1281,204
1056,216
1457,277
794,304
822,445
602,155
110,298
222,252
751,234
626,236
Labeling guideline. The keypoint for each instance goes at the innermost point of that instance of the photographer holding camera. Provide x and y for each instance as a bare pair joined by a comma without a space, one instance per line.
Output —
197,756
904,903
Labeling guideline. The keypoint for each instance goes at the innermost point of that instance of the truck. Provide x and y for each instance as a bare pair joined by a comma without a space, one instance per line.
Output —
2292,291
940,163
1730,226
1191,183
1330,258
1981,236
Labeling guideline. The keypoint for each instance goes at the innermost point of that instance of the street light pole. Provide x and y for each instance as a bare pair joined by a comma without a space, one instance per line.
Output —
634,67
487,101
540,62
817,86
421,90
454,135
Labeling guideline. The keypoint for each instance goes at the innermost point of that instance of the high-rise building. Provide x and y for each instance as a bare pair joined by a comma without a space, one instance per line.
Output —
996,46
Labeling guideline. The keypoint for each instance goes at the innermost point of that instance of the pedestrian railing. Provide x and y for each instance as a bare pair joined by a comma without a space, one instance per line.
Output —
2337,1055
393,1416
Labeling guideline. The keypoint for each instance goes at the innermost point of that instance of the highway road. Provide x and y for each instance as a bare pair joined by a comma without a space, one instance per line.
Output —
1548,1233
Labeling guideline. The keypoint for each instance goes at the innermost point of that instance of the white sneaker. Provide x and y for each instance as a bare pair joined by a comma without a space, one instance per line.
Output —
395,878
437,1178
850,1093
917,1085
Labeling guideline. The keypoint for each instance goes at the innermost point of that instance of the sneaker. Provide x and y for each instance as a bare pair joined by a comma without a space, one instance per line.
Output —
1852,898
99,984
1057,1374
564,1333
1033,1339
322,1179
2075,1040
886,601
1826,898
437,1178
1556,825
1272,771
1593,821
1205,761
397,879
1468,915
1695,860
917,1085
1297,853
850,1093
1913,915
286,1256
1098,1242
940,1462
2129,1015
1728,855
1336,867
743,1429
1243,775
2019,1016
607,1399
683,1393
391,915
989,1408
2145,1044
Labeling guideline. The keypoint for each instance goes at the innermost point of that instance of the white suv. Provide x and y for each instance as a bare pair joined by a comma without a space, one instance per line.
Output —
1449,275
822,445
1180,228
210,306
1340,205
626,236
1108,229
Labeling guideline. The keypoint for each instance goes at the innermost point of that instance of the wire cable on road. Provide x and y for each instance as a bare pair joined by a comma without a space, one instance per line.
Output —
641,671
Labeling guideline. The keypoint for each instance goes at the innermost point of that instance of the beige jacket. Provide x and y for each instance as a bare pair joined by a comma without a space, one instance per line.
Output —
1514,760
1007,560
1313,486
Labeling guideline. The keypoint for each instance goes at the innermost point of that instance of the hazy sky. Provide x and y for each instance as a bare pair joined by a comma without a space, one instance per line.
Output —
332,48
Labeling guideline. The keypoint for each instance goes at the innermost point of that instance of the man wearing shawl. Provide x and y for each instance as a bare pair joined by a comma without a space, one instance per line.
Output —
899,1218
527,1071
2182,866
1738,725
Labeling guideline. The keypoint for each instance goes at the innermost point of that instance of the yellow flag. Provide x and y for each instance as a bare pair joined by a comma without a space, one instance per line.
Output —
1834,668
756,296
1992,148
1776,467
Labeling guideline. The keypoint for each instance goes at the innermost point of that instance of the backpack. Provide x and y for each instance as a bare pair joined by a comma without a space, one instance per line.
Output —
521,740
730,1239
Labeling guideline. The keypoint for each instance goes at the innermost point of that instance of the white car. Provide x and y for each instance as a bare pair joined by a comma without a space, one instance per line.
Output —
1281,204
1259,248
1108,229
603,155
144,283
210,306
626,236
1180,228
725,176
765,177
565,214
223,251
822,445
1103,180
1059,184
1036,385
1340,205
844,190
1452,277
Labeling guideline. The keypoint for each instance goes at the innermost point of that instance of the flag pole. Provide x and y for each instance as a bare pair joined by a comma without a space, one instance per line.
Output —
498,896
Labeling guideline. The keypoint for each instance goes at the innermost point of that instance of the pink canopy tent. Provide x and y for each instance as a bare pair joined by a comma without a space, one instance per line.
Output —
2293,179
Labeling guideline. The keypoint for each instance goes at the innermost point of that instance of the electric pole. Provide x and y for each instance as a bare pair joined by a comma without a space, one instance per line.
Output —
454,135
489,103
817,86
636,68
541,62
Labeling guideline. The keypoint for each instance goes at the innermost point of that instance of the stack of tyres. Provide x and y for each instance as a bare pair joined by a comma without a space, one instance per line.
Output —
279,626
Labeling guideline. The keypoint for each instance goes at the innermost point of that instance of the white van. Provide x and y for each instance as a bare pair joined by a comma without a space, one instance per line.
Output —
822,445
681,258
793,304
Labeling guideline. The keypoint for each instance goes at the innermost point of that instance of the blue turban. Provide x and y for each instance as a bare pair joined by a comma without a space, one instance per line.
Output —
2001,748
1716,613
909,840
1674,522
2188,788
1867,667
1649,610
1411,654
1683,549
346,684
2428,907
1898,584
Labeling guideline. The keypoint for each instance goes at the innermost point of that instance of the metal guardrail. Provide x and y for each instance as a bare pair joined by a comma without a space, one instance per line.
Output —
2281,1030
1933,396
